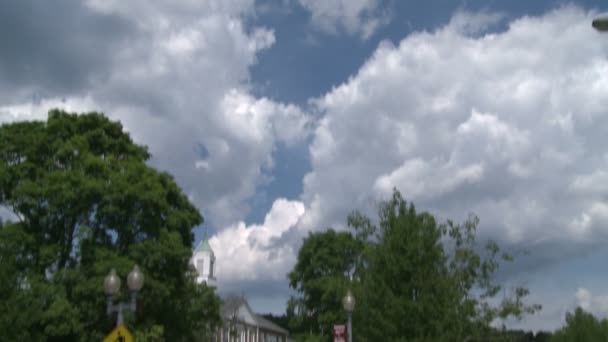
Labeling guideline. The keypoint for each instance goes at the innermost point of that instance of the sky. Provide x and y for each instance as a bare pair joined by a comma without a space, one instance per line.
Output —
279,117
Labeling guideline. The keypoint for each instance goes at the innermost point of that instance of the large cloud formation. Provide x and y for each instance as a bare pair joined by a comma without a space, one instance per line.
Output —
507,125
175,73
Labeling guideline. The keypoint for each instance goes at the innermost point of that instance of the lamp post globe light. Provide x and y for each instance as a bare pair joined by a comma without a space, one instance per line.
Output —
348,302
135,279
111,284
600,23
111,287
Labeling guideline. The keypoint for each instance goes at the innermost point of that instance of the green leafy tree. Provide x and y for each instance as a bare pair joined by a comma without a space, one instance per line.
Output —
86,202
414,278
427,281
405,291
319,274
582,326
543,336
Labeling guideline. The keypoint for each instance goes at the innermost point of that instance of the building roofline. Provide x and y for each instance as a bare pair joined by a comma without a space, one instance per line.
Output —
262,322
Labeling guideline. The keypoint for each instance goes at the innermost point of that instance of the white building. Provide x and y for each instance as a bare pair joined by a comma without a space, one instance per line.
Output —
240,323
203,261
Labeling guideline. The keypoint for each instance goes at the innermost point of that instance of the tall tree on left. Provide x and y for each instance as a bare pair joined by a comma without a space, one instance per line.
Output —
85,201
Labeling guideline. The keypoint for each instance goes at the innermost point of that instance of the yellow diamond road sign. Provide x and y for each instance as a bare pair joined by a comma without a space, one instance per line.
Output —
120,334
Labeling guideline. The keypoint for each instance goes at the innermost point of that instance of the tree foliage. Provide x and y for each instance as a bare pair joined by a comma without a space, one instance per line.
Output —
320,275
85,201
582,326
414,279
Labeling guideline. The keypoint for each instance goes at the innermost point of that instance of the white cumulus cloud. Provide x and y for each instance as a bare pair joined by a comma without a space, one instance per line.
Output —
503,124
179,84
362,17
251,253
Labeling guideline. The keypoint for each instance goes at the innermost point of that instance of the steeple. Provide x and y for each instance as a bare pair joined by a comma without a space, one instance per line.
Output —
203,260
203,246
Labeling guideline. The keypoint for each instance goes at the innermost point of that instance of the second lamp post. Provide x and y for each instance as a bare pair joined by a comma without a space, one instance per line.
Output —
349,306
111,286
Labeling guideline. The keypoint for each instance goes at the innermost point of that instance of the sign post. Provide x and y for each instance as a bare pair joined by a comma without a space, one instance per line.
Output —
119,334
339,333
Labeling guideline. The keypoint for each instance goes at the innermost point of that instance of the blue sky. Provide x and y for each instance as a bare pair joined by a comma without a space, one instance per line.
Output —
279,117
320,61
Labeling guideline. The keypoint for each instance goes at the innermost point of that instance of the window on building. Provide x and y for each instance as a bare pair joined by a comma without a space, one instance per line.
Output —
200,265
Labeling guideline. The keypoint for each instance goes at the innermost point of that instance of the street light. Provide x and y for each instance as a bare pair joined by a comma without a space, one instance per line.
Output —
600,23
111,286
348,302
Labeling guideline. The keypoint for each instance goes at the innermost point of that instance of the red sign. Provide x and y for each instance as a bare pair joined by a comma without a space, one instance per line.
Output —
339,333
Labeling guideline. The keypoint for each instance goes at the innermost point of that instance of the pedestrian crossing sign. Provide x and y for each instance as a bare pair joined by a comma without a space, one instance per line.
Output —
120,334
